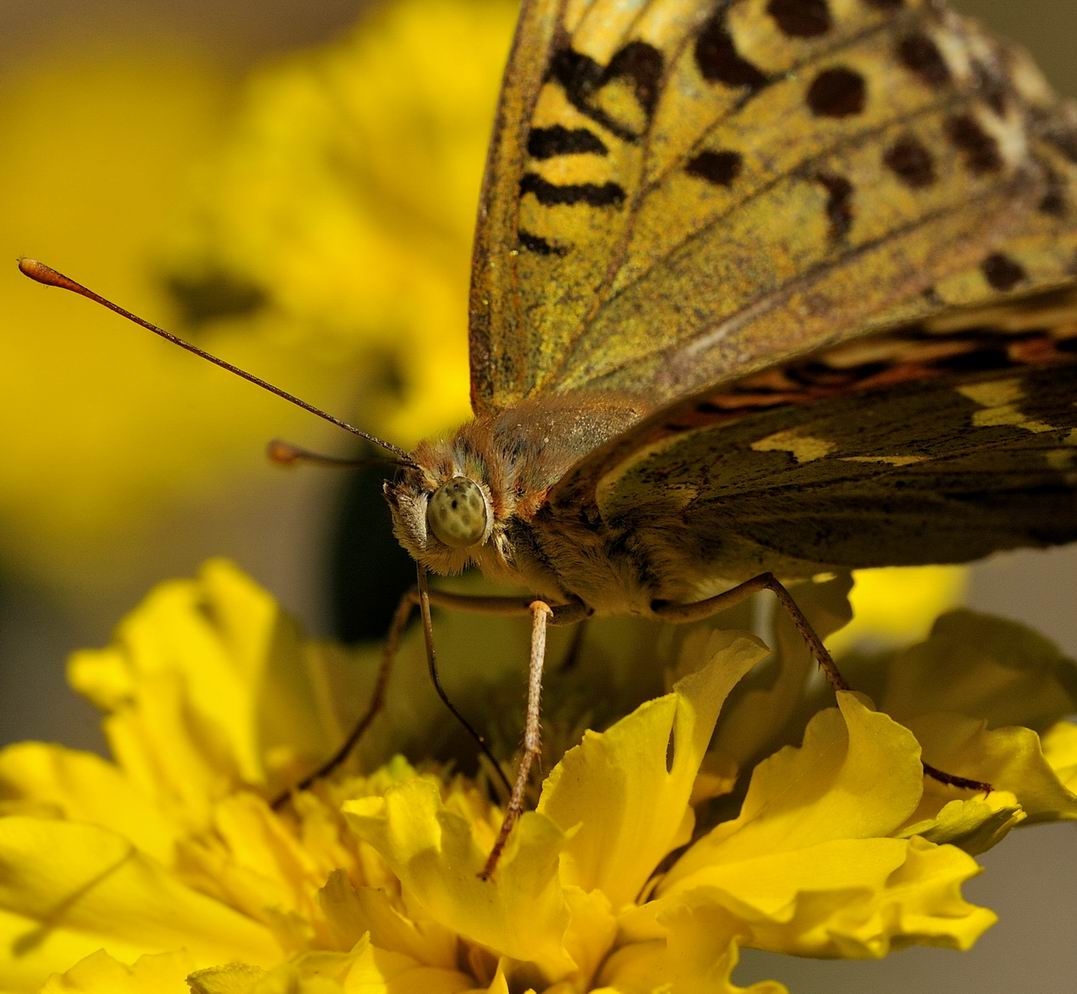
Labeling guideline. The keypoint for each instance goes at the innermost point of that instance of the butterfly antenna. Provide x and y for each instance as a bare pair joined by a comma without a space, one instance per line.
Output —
50,277
287,454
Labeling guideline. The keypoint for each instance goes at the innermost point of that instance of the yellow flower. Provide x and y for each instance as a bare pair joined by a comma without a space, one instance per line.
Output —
896,605
344,201
656,849
323,241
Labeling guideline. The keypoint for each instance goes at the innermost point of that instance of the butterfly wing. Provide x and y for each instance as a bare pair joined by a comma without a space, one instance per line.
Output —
683,190
921,445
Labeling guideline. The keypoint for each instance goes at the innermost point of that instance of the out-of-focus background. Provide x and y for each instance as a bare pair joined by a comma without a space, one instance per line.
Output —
299,196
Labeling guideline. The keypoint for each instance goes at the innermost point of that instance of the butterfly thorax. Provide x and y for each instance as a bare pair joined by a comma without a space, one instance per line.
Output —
513,457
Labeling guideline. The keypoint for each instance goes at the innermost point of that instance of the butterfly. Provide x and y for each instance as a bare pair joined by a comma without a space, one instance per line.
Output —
760,289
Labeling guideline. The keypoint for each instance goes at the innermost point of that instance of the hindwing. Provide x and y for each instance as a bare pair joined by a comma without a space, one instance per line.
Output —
916,446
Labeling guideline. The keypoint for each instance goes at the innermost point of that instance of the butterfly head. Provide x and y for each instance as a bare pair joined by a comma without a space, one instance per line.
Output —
442,517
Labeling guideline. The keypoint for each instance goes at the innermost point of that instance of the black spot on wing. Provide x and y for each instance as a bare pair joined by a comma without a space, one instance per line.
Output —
553,194
547,143
538,245
1002,272
717,57
886,4
839,204
837,92
921,56
980,149
801,18
911,162
719,168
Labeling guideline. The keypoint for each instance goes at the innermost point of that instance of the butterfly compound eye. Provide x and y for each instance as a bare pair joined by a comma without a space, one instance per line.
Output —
457,513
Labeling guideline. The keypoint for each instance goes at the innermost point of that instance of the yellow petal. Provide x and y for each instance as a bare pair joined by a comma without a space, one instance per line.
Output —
984,667
698,958
204,679
99,973
622,796
520,913
1010,759
84,787
235,978
764,703
807,867
67,890
857,775
365,968
975,823
896,605
353,911
1060,750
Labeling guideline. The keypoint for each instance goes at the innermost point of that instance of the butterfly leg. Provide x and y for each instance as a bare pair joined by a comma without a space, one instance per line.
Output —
768,581
735,595
377,699
540,615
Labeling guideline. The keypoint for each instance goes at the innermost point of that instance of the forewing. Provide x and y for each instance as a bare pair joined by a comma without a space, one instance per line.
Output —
915,446
679,191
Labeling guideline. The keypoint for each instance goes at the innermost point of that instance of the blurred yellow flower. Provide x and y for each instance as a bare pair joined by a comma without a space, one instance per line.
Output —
643,867
896,605
345,201
324,244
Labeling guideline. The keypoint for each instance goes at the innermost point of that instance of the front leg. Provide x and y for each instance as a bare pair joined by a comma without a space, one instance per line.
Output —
421,595
540,615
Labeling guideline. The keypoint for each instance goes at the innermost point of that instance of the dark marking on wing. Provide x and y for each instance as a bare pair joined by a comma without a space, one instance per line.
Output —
553,194
992,86
911,162
1054,201
538,244
718,59
980,149
839,205
801,18
719,168
1063,136
837,92
643,65
1002,272
582,79
548,143
920,55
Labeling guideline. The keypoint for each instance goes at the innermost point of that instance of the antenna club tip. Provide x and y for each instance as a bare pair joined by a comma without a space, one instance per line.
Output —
281,452
41,273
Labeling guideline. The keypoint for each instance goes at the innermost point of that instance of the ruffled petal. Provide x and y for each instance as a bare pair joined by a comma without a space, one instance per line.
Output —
622,796
807,867
987,668
82,786
1060,750
698,957
1011,759
67,890
520,913
856,776
99,973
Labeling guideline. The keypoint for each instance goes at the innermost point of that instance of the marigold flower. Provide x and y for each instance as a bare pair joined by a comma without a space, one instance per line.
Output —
645,865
